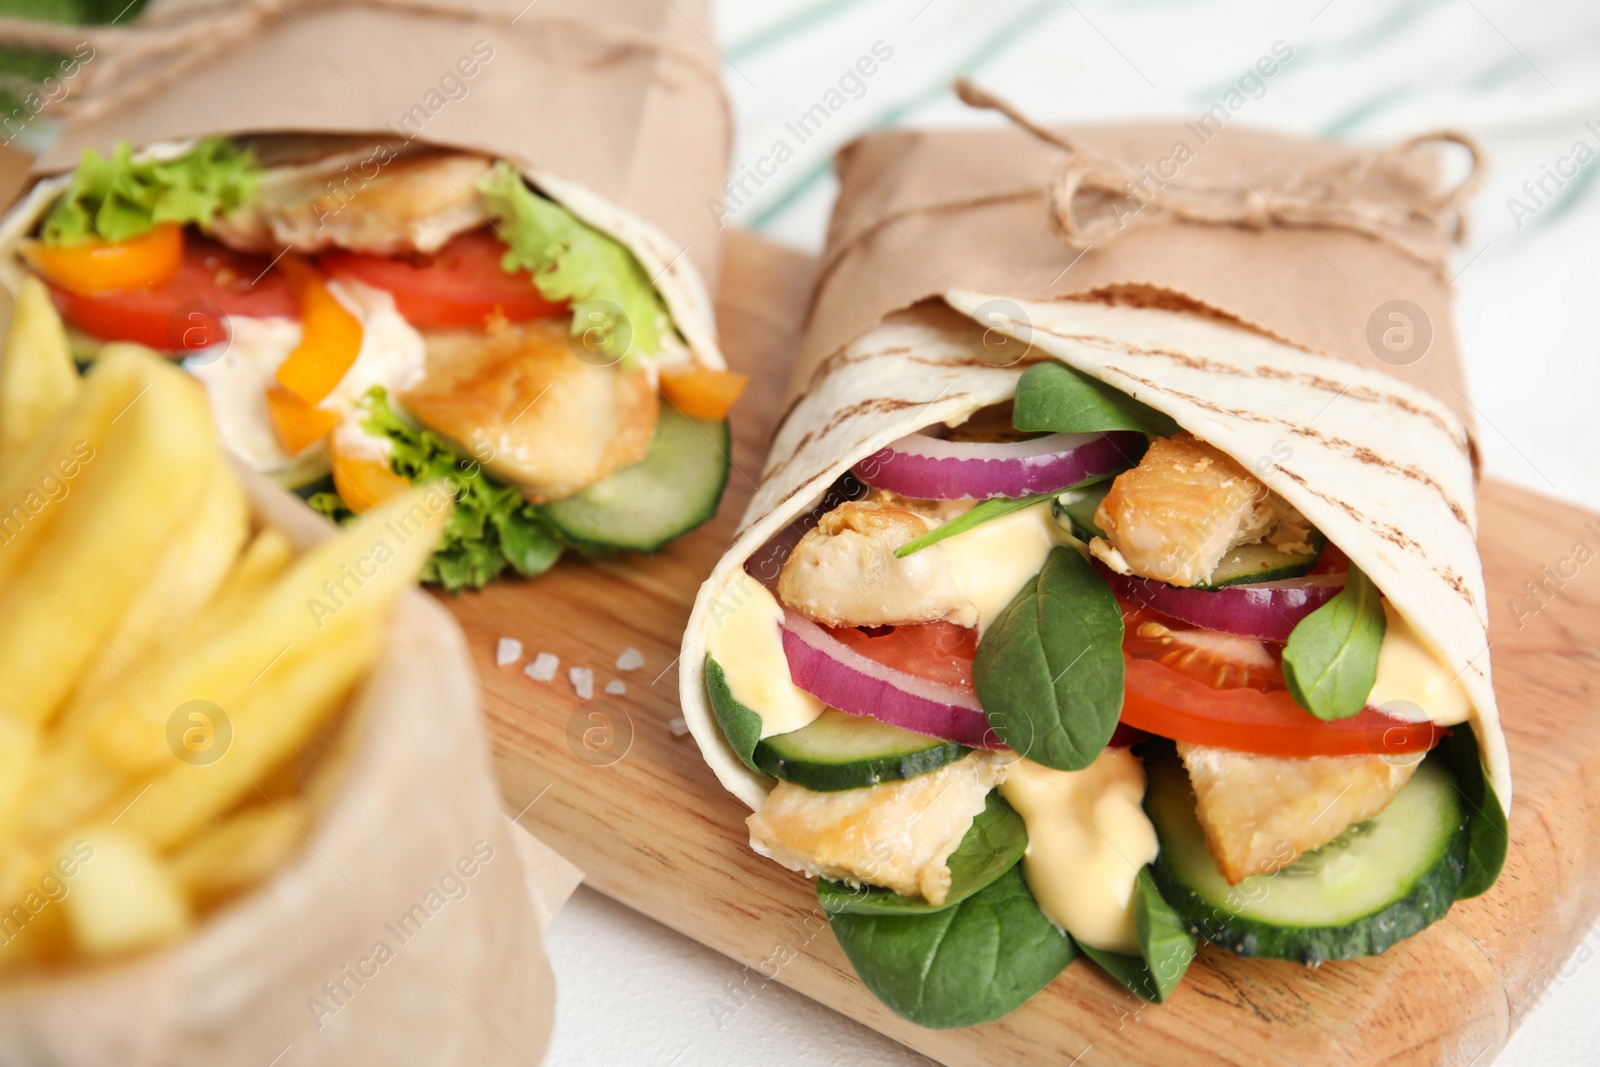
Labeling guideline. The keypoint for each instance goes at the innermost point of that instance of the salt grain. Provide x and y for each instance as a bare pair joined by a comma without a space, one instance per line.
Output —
543,667
616,688
583,681
630,660
678,727
507,652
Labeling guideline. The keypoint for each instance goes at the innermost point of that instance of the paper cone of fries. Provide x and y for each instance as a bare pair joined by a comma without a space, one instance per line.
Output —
401,930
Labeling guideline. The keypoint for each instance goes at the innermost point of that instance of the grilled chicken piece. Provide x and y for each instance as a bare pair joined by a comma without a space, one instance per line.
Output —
1183,508
943,510
897,835
520,400
843,572
1259,813
415,202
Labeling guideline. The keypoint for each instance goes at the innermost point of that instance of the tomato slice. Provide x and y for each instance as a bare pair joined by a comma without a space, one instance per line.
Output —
938,651
462,284
1209,688
185,312
1162,701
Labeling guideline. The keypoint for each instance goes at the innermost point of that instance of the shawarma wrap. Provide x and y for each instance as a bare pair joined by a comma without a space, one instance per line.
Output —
1109,579
447,291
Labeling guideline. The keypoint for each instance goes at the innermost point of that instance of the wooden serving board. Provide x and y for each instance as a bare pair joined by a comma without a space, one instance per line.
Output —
608,783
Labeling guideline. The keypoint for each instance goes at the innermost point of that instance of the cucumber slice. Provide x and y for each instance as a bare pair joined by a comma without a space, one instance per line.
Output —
1247,563
838,751
1374,885
1261,563
675,488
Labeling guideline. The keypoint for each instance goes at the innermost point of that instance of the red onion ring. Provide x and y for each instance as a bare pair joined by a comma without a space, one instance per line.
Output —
843,678
931,468
1264,610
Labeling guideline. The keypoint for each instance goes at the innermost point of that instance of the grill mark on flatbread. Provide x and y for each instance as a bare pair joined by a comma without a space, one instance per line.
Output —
1313,381
1366,455
1389,532
1360,453
1199,402
883,405
848,356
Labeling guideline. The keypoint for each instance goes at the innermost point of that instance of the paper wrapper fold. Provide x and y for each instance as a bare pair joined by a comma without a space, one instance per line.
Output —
1315,288
465,979
1256,340
632,138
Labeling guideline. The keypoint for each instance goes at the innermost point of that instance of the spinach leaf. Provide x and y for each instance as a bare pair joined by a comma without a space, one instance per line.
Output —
1054,398
1331,660
964,965
1165,946
993,508
1486,819
740,725
993,845
1048,671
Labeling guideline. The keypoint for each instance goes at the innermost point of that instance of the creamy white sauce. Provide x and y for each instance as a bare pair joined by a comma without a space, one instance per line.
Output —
1412,683
392,353
995,559
351,439
236,378
236,375
1088,838
747,643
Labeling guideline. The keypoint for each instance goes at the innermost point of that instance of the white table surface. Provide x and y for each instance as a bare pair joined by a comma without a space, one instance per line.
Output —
1523,77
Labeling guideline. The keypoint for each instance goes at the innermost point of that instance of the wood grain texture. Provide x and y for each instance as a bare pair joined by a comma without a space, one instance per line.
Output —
610,785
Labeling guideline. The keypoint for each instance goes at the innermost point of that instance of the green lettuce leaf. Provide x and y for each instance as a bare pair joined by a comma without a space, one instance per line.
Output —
118,199
493,526
615,308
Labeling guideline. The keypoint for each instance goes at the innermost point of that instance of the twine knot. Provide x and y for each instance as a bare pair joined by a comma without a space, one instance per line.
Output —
1093,197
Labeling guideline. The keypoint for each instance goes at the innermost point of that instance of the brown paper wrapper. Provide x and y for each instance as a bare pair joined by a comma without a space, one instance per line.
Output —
969,212
465,979
639,126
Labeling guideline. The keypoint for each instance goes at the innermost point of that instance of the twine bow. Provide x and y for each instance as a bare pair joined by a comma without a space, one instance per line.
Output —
1094,197
173,38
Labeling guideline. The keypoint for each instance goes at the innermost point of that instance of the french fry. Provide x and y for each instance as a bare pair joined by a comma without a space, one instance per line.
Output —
186,576
263,559
68,783
240,851
38,378
33,484
32,922
269,721
19,753
123,898
157,458
184,579
347,583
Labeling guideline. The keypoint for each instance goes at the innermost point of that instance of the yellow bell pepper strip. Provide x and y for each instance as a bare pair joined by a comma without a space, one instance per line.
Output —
364,482
96,265
330,336
297,424
702,393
